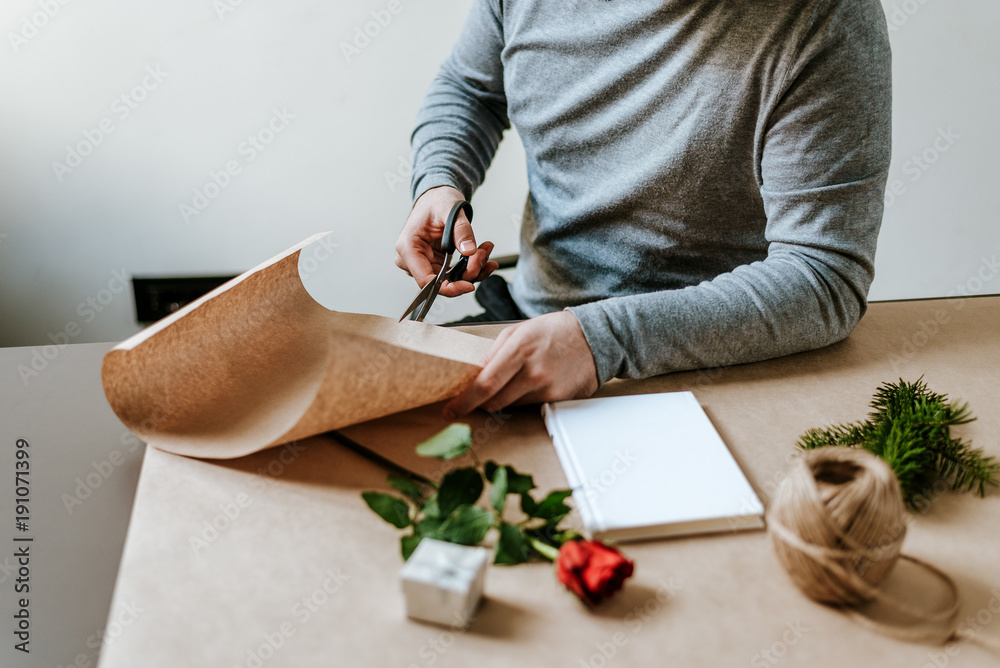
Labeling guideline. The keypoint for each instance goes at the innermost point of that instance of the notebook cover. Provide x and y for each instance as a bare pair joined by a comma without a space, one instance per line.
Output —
651,465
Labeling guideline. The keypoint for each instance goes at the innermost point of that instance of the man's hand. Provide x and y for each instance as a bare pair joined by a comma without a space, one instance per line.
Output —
418,249
542,359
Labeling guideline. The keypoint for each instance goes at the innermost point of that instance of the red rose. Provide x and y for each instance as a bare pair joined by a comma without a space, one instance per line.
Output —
591,570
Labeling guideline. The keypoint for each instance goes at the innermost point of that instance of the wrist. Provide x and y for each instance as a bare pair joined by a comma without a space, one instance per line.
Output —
439,193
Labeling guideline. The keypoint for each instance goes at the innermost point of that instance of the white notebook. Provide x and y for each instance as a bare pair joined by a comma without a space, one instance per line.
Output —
648,466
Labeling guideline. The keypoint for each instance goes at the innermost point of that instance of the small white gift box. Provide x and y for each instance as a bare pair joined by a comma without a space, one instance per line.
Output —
443,582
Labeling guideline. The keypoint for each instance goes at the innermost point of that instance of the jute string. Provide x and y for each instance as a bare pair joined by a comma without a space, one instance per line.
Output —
837,525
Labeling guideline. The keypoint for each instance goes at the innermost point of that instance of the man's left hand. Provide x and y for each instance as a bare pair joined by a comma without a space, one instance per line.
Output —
542,359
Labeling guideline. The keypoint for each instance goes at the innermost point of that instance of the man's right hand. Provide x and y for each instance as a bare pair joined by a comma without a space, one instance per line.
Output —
418,249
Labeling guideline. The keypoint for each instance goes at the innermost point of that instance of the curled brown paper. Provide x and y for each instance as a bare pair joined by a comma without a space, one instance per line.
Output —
258,362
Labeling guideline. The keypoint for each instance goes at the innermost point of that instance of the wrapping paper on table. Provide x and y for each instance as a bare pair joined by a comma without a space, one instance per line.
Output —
221,556
259,362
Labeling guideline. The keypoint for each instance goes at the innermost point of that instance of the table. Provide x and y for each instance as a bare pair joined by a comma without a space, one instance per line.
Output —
273,559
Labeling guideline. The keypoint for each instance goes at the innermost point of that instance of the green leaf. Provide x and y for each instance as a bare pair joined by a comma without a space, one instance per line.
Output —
458,488
407,544
498,495
452,441
513,546
430,507
429,527
552,507
468,525
393,510
490,469
528,505
518,483
407,487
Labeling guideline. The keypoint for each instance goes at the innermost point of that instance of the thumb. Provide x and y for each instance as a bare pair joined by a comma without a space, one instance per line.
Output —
465,240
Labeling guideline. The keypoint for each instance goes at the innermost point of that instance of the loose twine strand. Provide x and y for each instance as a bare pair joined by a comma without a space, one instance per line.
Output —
837,525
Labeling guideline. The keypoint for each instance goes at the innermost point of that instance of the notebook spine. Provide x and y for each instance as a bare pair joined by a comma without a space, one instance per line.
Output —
592,519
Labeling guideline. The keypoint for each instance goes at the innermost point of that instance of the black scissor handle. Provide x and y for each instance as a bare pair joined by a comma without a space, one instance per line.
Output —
455,273
448,237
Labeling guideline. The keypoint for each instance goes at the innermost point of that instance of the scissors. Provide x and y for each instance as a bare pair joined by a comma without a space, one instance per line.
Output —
427,294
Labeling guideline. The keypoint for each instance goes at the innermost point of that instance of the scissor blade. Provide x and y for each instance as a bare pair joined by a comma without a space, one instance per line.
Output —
430,291
420,299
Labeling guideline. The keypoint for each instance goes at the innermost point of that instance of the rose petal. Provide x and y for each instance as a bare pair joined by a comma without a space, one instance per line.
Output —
592,570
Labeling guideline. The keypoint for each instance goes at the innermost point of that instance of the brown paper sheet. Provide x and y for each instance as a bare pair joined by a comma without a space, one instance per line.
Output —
258,362
226,558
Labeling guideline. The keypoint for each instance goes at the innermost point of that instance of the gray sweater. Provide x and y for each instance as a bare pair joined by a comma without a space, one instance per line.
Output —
706,176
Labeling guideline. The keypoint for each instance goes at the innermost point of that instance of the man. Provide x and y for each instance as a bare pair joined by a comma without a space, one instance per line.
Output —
706,181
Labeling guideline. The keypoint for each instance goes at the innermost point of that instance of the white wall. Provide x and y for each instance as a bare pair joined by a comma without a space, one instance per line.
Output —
940,234
62,240
224,77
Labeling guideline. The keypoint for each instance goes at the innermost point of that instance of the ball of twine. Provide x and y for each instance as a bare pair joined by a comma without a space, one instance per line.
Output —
837,525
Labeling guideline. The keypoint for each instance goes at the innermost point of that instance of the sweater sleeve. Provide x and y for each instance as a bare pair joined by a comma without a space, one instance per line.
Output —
464,113
822,162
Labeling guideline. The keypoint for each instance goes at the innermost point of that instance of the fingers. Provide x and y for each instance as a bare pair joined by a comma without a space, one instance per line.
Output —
417,265
518,391
502,364
419,242
414,253
478,263
456,289
479,267
542,359
487,270
418,246
465,240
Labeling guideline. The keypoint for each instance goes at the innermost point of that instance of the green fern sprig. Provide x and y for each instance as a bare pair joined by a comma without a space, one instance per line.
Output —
910,428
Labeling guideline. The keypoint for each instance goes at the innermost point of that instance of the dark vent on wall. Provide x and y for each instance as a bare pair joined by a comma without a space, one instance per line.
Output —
156,297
